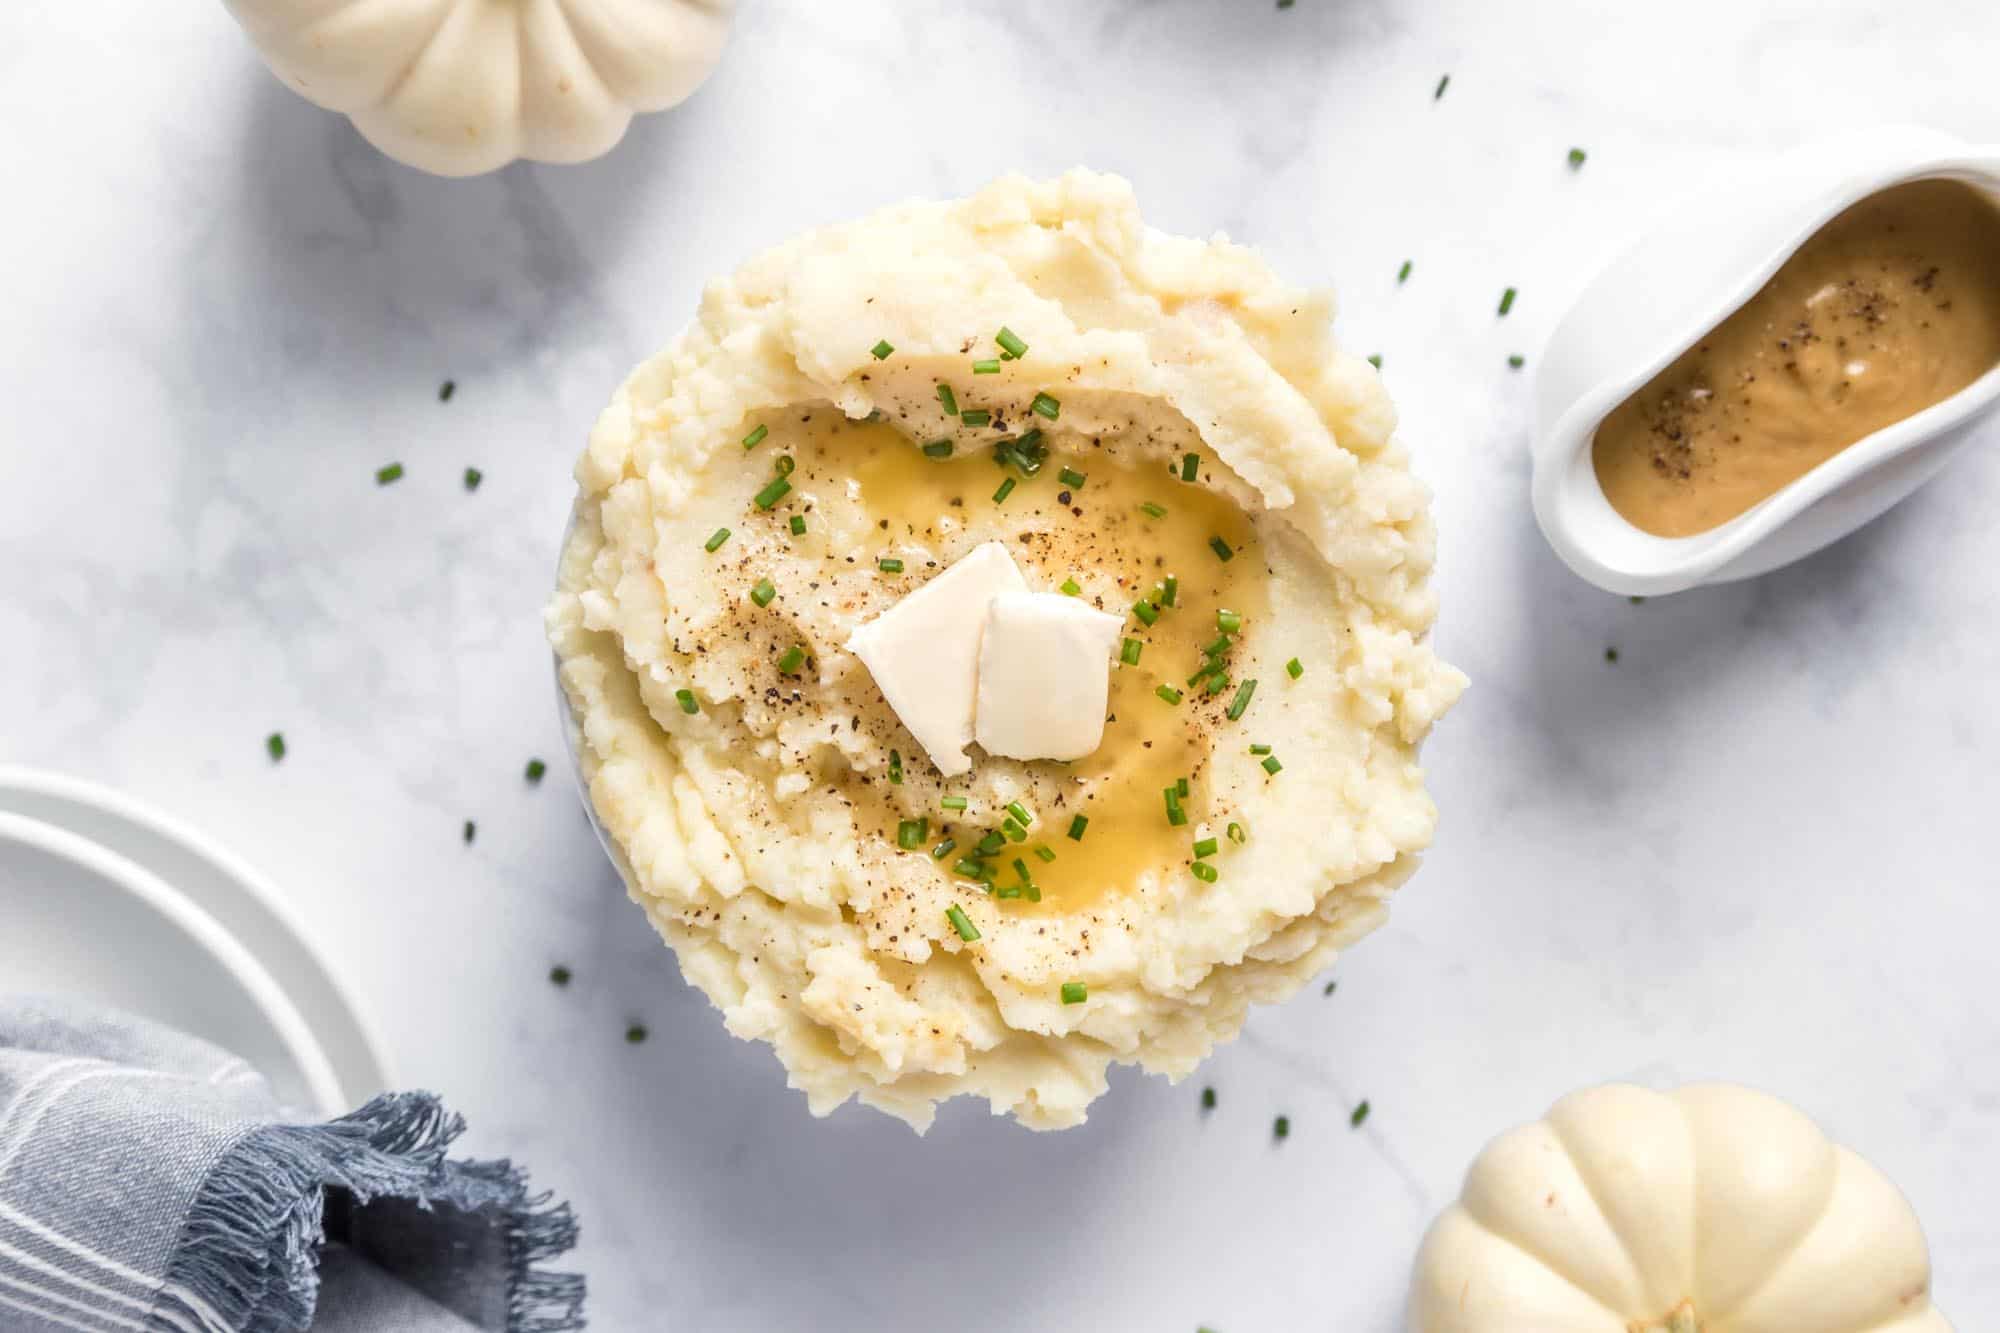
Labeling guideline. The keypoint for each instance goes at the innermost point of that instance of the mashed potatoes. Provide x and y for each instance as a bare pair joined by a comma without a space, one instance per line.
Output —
1180,442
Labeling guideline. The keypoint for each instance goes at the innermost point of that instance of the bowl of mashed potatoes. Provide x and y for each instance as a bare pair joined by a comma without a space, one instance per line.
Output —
995,636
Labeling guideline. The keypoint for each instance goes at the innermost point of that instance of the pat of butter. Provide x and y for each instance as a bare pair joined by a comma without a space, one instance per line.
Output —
924,651
1044,676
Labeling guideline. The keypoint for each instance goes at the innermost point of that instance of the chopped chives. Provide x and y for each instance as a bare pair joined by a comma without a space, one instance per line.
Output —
1236,833
1218,682
990,366
1128,652
1228,621
1169,590
1516,361
1175,815
388,473
1021,813
1071,587
1204,872
1031,441
1010,453
975,416
1076,827
1014,831
912,833
1010,891
1181,786
784,465
1216,647
938,449
1010,342
1206,847
773,493
1071,477
1074,992
1190,466
798,525
1272,766
961,923
1506,300
1045,406
1006,489
715,540
1221,549
1021,869
756,437
274,745
1208,1099
1260,749
1242,699
1403,274
763,592
687,699
1145,611
1044,852
944,849
793,659
1375,360
1032,891
471,830
896,767
947,399
1295,668
1169,693
473,476
533,772
1443,83
1360,1114
953,802
891,565
881,350
968,868
991,843
1576,156
1151,510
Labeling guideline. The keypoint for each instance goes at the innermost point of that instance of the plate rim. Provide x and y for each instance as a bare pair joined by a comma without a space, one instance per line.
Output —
353,1084
209,937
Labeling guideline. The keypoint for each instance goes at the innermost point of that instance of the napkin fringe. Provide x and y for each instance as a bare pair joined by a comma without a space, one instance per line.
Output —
247,1257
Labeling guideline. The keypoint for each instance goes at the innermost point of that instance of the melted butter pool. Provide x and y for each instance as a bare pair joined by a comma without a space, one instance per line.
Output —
870,490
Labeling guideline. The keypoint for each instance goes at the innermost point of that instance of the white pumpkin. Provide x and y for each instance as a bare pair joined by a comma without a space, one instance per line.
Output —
458,87
1713,1209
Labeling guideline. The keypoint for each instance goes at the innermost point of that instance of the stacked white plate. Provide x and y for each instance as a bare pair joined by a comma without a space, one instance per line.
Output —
104,900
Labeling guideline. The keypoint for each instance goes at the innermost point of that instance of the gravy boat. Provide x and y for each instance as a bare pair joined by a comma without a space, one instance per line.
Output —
1707,255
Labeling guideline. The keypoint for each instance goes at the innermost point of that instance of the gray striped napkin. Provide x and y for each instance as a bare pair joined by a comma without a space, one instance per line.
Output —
149,1181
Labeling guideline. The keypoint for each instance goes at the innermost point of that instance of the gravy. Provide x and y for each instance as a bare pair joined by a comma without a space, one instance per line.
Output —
1891,307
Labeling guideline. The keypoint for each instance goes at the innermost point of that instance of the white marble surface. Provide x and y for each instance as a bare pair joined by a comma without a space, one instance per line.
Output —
1751,849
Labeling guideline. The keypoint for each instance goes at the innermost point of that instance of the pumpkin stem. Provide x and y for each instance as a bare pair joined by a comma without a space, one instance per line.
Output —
1679,1320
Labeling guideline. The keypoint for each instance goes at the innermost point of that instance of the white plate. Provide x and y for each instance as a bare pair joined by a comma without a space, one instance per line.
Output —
286,996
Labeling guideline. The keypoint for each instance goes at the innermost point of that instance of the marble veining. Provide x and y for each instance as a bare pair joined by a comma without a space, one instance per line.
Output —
1751,847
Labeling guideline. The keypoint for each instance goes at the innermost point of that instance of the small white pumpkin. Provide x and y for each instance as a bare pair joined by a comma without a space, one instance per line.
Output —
457,87
1712,1209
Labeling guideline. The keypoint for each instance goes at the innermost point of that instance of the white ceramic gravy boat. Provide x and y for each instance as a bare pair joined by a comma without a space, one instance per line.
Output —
1708,254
